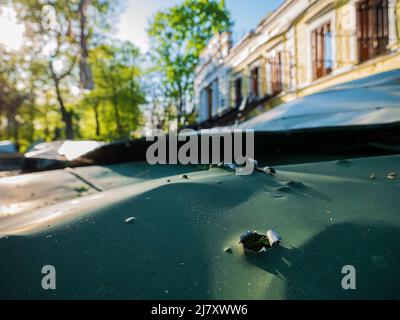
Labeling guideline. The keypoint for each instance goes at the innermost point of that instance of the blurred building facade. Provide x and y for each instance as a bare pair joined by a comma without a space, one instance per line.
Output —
302,47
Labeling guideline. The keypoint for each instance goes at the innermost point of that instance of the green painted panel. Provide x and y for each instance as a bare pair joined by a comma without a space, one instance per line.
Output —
329,214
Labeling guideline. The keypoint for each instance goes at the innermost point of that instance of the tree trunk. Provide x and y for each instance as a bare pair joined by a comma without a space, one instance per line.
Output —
16,134
117,117
46,128
180,105
85,71
12,129
32,120
65,115
96,117
69,132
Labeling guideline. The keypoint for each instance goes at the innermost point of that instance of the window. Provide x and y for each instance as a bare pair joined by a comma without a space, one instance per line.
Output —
372,28
276,73
322,51
255,82
209,91
238,92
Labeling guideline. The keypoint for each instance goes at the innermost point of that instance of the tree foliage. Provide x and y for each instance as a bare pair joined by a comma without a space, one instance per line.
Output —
114,102
178,35
71,80
63,28
43,85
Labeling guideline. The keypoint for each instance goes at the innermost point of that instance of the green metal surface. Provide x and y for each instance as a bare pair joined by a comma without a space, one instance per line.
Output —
329,214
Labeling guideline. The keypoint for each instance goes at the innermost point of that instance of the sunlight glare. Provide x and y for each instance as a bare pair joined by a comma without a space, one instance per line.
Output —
11,32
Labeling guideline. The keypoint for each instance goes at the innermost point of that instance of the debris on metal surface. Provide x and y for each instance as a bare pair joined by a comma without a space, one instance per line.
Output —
253,241
267,170
273,237
372,176
270,171
186,177
392,176
130,219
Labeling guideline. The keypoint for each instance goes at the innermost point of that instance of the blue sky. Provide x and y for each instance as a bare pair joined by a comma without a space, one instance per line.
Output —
133,23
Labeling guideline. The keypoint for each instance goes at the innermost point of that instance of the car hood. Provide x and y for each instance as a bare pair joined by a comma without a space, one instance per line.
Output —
329,214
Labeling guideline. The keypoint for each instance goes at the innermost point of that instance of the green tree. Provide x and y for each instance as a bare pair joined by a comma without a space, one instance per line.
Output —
42,85
27,105
178,35
11,98
61,30
116,98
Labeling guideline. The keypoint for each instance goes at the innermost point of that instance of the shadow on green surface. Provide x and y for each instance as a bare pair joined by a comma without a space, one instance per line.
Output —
161,255
314,270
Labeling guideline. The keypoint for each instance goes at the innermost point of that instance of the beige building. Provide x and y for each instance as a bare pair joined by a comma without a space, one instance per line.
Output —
301,48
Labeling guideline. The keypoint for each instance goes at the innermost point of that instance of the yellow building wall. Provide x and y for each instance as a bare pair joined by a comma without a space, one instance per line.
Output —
345,39
398,21
346,51
378,65
302,54
286,65
346,68
346,54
